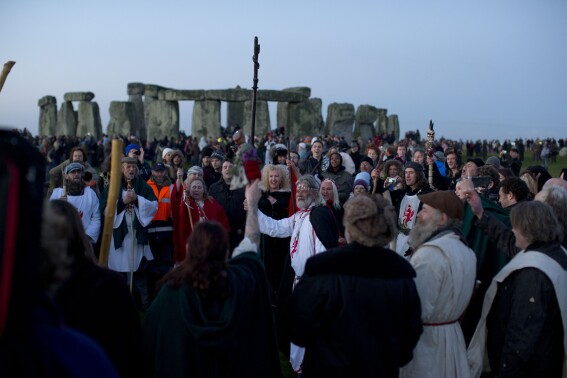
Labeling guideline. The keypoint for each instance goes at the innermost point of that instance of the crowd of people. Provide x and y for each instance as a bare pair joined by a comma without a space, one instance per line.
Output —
350,258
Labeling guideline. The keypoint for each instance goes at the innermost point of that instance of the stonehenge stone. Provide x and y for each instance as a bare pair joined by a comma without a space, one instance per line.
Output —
78,96
163,119
47,115
262,123
303,118
234,113
88,120
66,120
206,119
305,91
138,122
382,121
181,95
340,120
122,119
136,89
234,94
152,91
364,121
394,125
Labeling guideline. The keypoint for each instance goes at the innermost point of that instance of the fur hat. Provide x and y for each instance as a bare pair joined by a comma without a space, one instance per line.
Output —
446,202
363,178
370,221
165,152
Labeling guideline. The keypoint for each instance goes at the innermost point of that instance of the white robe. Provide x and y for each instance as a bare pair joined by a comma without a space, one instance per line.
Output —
308,244
407,217
88,207
122,259
445,275
477,352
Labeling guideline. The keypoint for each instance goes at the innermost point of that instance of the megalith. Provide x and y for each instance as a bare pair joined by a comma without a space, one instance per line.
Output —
66,120
163,119
138,122
122,119
282,107
382,122
262,125
304,118
151,94
47,116
394,125
206,119
364,120
88,120
340,120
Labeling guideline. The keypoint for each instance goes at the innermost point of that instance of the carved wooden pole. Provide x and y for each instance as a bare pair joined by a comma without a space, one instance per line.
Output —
254,88
5,71
430,141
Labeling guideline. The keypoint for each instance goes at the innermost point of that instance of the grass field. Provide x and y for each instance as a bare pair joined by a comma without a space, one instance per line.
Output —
554,168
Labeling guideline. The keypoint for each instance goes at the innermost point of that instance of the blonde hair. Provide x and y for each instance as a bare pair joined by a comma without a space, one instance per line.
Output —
284,174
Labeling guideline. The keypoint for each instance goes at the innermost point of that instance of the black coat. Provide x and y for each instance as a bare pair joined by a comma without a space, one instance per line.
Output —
357,312
232,201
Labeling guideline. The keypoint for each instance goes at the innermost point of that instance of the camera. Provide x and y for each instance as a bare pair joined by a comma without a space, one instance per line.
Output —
136,152
391,180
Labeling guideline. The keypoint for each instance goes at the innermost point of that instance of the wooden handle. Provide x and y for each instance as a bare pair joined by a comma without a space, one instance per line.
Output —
113,192
5,71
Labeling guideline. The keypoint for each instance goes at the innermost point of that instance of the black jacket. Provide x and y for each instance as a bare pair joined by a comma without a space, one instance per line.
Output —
232,201
357,312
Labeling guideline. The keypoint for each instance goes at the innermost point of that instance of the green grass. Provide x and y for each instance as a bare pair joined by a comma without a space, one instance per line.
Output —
554,168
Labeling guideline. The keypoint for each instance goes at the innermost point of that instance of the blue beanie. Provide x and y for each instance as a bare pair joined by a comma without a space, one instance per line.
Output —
132,146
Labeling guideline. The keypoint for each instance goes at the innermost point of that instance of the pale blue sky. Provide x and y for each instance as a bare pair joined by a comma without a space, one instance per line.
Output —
479,69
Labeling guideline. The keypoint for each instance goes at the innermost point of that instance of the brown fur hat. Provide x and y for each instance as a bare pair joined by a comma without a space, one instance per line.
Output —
370,220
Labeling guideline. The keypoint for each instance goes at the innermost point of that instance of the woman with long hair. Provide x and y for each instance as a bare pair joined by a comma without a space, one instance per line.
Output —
190,207
212,316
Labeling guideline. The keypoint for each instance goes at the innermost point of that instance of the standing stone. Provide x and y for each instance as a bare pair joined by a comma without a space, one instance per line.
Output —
262,125
304,118
122,119
135,96
364,121
235,113
89,122
382,122
163,119
47,116
282,111
340,120
151,93
394,125
66,120
206,119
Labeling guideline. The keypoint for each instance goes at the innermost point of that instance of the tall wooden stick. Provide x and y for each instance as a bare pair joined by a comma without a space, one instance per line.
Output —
5,71
430,141
254,88
113,192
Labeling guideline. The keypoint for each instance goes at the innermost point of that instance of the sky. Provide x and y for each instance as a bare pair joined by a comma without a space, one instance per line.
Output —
480,69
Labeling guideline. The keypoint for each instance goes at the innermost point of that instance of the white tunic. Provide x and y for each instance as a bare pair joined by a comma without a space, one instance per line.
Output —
445,275
406,219
304,244
125,258
88,207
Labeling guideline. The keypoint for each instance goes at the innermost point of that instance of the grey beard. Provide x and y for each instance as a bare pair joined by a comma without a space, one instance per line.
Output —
75,188
304,204
420,233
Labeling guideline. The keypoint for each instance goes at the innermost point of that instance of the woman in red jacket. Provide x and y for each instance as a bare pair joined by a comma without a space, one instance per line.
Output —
190,207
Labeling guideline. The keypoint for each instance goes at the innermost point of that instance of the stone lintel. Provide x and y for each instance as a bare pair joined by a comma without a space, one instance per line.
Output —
182,95
78,96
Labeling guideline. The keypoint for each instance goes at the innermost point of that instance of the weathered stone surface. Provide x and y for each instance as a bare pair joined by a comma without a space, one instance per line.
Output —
139,121
121,119
46,100
340,120
382,121
163,119
281,116
78,96
306,91
152,90
88,120
280,96
136,89
262,124
206,119
47,116
304,118
235,113
233,94
181,95
394,125
66,120
364,121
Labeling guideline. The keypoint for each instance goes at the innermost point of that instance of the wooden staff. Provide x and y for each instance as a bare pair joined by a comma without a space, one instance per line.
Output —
430,140
113,192
254,87
5,71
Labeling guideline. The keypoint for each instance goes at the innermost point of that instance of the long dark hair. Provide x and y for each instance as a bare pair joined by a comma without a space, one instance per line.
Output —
205,266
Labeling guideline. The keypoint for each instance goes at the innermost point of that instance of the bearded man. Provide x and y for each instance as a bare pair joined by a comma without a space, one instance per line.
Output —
312,229
445,275
135,209
82,197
